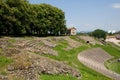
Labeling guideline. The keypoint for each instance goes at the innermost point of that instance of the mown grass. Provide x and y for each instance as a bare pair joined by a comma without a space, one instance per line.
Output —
70,57
57,77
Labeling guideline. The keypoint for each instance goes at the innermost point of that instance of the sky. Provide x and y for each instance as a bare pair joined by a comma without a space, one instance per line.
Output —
88,15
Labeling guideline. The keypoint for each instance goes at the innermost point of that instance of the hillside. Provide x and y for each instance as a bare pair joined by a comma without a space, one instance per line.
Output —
95,59
47,58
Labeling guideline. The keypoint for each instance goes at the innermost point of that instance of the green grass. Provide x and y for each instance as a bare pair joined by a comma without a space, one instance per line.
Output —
3,72
4,61
0,50
62,44
114,45
12,40
74,38
57,77
70,57
113,51
41,43
77,39
113,65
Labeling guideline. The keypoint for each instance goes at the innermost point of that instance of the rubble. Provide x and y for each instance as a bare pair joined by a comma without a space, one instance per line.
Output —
35,65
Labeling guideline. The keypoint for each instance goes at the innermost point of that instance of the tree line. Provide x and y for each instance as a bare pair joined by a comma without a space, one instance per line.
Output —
19,17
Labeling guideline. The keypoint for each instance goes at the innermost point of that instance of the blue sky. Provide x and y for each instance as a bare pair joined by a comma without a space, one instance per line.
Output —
88,15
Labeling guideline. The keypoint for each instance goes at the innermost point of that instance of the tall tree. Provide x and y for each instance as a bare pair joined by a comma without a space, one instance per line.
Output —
21,17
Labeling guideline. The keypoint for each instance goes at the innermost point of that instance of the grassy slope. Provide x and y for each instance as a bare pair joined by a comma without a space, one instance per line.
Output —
70,57
114,45
113,50
114,66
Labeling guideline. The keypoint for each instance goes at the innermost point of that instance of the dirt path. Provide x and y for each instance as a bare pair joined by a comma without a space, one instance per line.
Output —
95,59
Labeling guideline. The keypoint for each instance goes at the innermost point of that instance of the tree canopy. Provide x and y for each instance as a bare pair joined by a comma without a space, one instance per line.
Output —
98,33
18,17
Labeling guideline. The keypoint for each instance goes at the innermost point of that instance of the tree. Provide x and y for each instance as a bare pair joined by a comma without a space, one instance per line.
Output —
98,33
20,17
11,15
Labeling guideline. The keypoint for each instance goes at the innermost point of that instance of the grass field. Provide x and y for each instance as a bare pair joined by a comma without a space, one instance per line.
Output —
70,57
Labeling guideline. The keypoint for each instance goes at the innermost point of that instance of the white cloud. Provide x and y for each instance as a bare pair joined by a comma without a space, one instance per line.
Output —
116,5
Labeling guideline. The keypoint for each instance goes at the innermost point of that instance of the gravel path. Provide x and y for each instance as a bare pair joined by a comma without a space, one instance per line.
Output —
95,59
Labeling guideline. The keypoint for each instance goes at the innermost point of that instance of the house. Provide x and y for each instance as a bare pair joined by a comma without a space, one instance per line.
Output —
71,31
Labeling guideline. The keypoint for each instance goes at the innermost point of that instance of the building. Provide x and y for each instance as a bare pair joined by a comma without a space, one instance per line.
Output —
71,31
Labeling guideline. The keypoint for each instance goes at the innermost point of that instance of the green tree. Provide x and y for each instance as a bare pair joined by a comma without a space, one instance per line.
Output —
21,17
98,33
10,17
